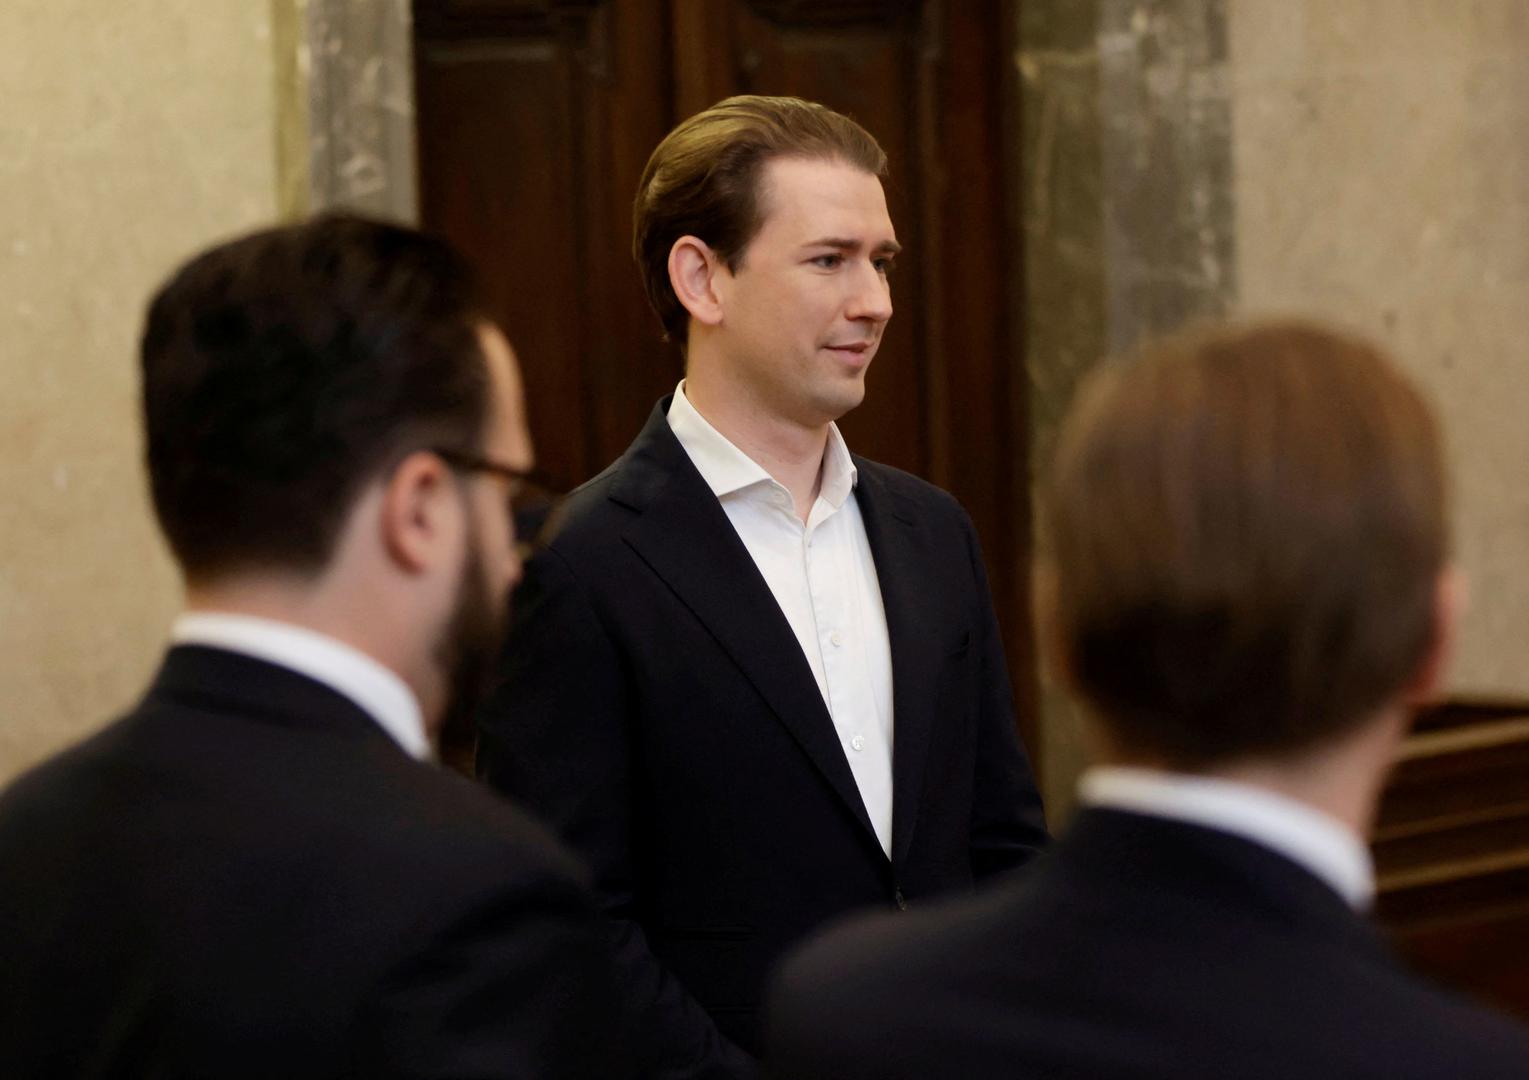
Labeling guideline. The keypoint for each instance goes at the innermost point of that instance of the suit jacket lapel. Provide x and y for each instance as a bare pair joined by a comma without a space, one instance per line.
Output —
684,535
898,547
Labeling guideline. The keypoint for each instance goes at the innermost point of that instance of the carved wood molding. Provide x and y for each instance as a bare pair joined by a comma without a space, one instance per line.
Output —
833,13
1452,839
446,20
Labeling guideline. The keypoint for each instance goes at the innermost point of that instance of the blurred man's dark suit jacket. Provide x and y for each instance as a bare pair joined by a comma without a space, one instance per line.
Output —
246,877
658,711
1138,948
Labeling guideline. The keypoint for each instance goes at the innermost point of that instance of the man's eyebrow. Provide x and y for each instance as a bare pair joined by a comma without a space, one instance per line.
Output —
886,247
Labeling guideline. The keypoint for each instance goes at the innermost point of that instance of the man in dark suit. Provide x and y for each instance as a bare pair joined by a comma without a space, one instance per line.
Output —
1247,586
259,871
756,680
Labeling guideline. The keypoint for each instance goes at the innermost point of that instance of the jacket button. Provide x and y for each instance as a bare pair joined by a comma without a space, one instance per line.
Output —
902,904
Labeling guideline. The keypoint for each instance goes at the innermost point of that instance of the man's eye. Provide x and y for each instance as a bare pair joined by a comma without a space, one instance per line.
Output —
884,266
827,262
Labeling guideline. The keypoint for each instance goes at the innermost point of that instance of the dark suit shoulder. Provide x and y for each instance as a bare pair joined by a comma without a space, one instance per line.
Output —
1048,973
460,818
285,791
1422,1029
50,785
907,485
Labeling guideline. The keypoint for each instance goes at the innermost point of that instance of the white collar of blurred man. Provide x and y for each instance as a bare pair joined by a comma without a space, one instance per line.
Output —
376,689
778,346
1327,847
418,582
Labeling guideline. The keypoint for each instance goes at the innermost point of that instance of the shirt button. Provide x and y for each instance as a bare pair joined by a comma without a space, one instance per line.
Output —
838,639
857,743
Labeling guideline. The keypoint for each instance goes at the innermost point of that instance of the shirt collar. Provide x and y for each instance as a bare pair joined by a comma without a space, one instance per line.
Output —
1320,843
379,692
727,469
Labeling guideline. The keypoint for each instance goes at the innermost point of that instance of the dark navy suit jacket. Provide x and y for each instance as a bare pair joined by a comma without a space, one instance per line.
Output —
1136,949
657,710
246,877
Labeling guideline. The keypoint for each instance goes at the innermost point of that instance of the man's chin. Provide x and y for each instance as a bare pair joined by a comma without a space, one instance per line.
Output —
844,396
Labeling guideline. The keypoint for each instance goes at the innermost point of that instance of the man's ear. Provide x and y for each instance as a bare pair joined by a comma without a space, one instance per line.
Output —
420,513
693,270
1450,594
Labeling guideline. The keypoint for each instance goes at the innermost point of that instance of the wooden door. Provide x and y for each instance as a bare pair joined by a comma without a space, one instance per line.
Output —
536,118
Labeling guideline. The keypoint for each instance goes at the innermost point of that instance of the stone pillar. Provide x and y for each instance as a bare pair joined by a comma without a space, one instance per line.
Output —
1126,199
346,89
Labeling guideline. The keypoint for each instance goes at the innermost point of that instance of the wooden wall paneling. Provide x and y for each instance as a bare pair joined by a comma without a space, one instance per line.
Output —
702,47
1452,850
974,375
487,91
535,121
628,365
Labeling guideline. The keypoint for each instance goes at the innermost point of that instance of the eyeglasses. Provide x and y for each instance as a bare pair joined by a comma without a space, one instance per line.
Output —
535,505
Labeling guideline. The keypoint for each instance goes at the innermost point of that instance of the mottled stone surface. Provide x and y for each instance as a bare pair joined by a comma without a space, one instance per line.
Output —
1364,162
292,62
1126,199
1382,153
131,134
357,58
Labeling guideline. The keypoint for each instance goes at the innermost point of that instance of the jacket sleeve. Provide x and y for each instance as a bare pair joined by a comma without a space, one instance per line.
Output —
557,737
1008,824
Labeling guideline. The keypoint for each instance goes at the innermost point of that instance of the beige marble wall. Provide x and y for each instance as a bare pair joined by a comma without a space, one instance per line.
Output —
1362,161
131,134
1381,157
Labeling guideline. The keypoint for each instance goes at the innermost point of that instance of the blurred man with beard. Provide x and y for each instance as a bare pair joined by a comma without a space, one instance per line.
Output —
259,870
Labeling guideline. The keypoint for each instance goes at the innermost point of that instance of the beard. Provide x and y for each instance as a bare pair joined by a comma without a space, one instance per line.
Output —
466,651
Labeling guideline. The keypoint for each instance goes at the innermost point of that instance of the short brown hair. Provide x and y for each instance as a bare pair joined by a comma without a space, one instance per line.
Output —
1247,528
703,181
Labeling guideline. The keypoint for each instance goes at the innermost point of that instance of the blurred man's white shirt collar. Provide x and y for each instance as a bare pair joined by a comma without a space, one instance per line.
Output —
379,692
1305,835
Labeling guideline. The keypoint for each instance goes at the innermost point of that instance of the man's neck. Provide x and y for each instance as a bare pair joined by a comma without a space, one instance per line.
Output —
791,452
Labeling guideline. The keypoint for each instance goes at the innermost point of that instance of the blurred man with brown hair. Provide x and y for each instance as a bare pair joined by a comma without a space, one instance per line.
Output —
712,663
1246,581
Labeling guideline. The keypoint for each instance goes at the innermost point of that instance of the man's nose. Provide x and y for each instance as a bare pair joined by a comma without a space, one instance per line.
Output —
872,295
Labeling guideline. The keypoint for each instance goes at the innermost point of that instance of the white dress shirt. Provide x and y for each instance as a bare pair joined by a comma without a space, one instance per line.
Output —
824,579
379,692
1301,833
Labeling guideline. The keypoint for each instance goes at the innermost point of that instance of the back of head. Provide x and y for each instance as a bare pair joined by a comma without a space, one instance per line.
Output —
703,181
283,370
1247,530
